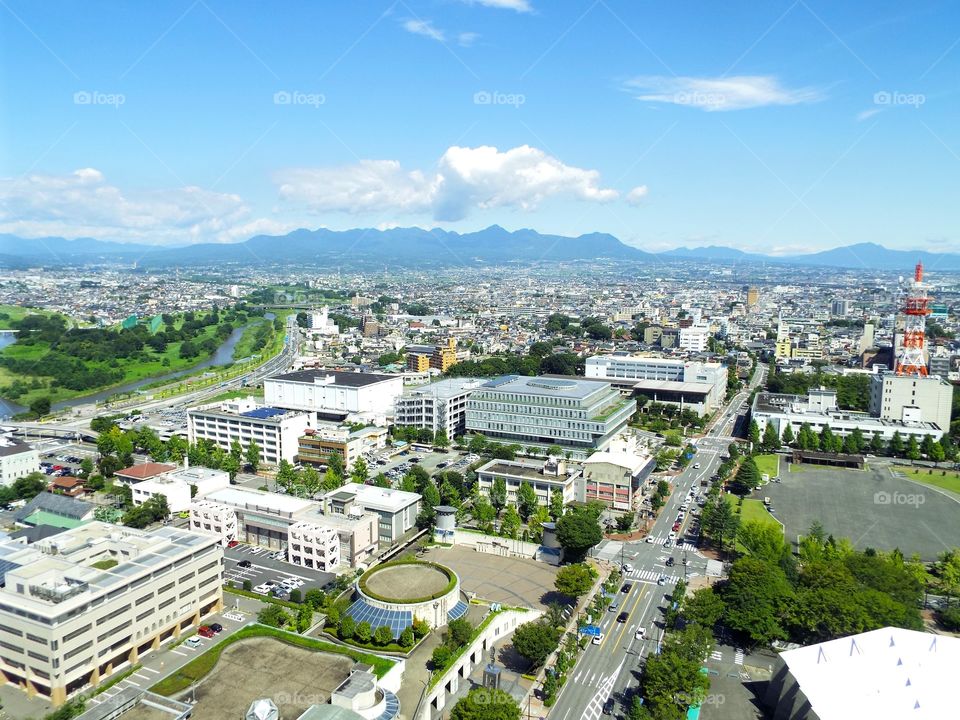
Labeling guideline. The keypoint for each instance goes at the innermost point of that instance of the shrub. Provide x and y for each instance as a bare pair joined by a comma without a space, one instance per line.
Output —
295,596
247,585
364,632
383,635
348,627
407,639
950,618
441,656
420,628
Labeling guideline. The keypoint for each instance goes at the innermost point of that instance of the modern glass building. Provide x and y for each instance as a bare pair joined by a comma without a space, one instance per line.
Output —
580,416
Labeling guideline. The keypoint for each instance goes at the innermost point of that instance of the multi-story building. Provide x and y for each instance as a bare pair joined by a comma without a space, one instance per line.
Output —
545,477
441,405
335,395
79,607
694,338
580,416
17,460
418,362
319,443
180,487
895,397
313,545
819,409
840,307
275,430
265,518
615,477
698,386
397,510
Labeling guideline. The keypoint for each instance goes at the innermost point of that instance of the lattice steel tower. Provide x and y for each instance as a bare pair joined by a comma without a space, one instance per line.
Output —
910,360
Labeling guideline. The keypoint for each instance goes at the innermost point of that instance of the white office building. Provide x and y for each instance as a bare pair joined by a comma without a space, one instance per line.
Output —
397,509
545,477
694,338
697,386
213,518
910,397
441,405
819,409
335,395
580,416
275,430
81,606
17,460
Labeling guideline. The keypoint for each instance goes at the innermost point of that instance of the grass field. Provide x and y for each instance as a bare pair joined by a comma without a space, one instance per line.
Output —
769,464
946,479
755,510
16,312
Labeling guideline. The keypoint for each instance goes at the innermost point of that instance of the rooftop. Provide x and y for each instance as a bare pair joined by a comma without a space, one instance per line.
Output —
444,389
343,379
145,470
9,446
247,498
574,388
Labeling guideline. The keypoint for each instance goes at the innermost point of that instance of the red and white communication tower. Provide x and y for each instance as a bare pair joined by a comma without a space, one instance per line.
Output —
916,308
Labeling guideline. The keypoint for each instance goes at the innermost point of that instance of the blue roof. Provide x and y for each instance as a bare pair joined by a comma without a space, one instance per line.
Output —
392,706
5,567
264,413
396,620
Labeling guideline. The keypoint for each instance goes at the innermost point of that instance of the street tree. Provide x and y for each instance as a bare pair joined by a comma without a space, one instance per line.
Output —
575,580
526,500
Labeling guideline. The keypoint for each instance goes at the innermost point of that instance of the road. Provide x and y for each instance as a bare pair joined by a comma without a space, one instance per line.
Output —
612,668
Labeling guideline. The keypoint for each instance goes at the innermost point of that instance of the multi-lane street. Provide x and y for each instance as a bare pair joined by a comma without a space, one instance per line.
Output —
601,681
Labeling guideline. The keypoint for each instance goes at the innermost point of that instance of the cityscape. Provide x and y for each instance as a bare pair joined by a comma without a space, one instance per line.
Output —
310,414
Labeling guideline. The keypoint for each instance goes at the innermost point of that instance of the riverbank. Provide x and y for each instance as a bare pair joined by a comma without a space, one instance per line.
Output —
151,368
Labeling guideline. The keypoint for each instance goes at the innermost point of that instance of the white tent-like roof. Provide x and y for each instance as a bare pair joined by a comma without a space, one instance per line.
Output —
885,674
263,709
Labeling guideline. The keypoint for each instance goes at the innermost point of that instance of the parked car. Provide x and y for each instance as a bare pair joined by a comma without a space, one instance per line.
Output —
192,641
232,543
244,564
216,627
206,631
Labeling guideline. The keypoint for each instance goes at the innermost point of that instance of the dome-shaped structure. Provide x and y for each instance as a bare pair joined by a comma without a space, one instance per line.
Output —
263,709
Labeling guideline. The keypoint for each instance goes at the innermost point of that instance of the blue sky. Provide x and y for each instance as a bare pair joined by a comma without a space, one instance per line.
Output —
777,126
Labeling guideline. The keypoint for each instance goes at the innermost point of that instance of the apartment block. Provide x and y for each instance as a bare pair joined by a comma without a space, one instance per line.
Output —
441,405
81,606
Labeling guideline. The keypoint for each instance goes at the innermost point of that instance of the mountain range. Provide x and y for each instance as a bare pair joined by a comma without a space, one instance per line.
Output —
418,248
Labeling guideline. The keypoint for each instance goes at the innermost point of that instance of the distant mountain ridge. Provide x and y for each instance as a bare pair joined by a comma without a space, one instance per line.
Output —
414,247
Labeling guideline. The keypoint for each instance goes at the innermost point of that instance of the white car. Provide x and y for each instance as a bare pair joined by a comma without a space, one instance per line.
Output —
641,633
192,641
597,639
696,466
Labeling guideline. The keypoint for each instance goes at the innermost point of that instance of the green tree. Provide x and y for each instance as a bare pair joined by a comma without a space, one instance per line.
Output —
510,525
406,638
431,496
486,704
526,500
577,532
556,504
383,635
770,441
274,616
536,640
913,448
896,444
363,632
756,599
788,437
575,580
315,598
348,627
498,494
360,473
753,434
441,440
459,632
477,444
335,465
304,618
877,444
483,511
253,456
704,607
86,468
40,406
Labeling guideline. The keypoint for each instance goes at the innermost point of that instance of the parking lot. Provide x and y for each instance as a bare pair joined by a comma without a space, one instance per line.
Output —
266,570
398,465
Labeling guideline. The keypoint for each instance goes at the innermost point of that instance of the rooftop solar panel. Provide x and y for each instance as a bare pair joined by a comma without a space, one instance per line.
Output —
458,611
5,567
396,620
263,413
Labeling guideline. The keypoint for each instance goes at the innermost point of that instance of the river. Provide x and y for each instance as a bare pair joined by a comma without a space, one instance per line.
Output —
222,356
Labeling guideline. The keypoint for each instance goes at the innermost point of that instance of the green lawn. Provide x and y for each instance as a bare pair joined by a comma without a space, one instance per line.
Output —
946,479
755,510
16,312
769,464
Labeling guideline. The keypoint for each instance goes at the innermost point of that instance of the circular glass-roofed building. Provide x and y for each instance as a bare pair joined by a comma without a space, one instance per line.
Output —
395,594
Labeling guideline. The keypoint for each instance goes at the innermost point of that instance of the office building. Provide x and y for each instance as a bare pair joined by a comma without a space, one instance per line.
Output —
697,386
180,487
441,405
545,477
923,398
88,603
580,416
694,338
615,476
17,460
840,308
819,409
397,510
335,395
313,545
275,430
319,443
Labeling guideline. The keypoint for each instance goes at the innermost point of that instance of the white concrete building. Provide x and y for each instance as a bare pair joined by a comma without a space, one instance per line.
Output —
544,476
319,322
695,337
17,460
901,397
397,509
313,545
615,477
698,386
177,493
819,409
83,605
335,395
276,431
580,416
213,518
441,405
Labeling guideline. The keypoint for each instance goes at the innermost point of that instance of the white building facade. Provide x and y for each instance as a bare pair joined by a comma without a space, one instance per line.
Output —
438,406
326,392
314,546
17,460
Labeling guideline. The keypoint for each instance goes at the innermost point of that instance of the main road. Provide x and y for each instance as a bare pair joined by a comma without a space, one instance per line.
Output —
610,669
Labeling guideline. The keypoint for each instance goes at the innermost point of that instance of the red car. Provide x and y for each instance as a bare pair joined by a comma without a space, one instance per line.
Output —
206,631
233,543
676,526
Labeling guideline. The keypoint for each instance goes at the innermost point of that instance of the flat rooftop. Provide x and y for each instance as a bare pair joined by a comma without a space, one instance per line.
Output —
250,499
343,379
573,388
691,388
509,468
444,389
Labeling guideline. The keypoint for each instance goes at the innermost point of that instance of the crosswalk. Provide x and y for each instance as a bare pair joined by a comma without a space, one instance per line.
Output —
716,655
738,657
679,545
651,576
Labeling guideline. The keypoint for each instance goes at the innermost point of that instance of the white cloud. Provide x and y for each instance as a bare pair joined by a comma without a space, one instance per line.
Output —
83,204
718,94
867,114
465,179
425,28
636,196
520,6
466,39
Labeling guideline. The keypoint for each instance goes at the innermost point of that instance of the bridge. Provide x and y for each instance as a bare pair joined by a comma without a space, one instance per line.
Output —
48,430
